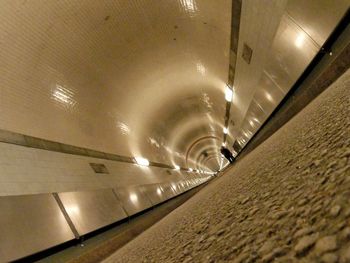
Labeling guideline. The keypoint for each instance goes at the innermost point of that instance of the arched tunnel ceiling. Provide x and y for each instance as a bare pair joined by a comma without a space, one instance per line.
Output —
148,78
135,78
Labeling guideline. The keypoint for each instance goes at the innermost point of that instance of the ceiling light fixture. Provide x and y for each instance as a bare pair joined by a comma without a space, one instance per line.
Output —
228,94
225,130
141,161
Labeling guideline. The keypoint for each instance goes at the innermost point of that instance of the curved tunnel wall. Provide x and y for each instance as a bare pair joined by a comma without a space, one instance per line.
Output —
56,218
33,166
86,86
95,69
148,80
270,61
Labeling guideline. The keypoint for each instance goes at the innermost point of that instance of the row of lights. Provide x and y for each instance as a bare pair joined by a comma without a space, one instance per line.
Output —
134,197
299,43
144,162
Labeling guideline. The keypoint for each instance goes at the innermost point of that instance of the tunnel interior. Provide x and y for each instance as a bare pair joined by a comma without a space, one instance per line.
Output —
110,108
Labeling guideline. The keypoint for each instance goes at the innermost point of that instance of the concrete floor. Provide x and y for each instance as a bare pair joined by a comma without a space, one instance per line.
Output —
287,201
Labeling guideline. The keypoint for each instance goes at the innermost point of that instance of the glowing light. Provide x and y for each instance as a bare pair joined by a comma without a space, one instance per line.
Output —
176,167
299,41
142,161
159,192
251,123
133,198
225,130
228,94
224,144
173,186
190,169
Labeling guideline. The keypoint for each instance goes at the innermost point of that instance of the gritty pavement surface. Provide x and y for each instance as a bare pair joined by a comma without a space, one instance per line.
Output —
287,201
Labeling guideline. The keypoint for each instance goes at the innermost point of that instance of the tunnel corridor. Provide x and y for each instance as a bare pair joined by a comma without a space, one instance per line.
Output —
287,201
113,113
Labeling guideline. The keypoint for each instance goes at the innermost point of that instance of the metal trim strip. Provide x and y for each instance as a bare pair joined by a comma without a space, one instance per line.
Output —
38,143
66,216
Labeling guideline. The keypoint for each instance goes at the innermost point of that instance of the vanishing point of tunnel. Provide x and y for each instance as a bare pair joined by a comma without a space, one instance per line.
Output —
175,131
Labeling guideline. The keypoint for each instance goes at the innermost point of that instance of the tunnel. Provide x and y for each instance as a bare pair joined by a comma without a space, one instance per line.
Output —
175,131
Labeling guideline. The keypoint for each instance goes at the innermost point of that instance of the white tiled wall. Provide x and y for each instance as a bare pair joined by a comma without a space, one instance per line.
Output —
25,170
95,74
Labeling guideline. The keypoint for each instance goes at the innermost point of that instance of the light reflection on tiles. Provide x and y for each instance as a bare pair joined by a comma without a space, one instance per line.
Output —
123,128
153,142
201,68
113,71
299,41
63,96
133,198
189,5
105,82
